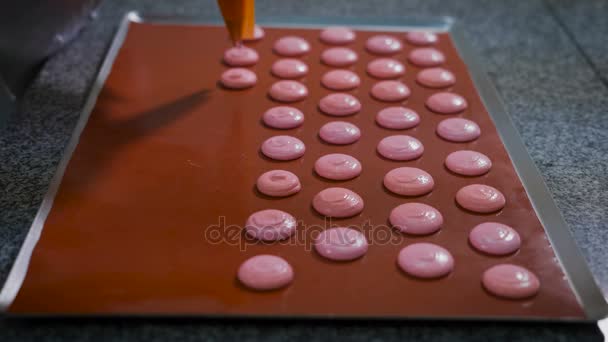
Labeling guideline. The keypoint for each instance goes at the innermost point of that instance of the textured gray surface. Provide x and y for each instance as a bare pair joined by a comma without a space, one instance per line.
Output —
557,101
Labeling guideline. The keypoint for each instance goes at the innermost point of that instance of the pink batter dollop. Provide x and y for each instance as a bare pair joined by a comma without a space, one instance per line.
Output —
397,118
240,56
338,202
238,78
258,33
265,272
494,238
278,183
385,68
421,38
383,45
400,147
288,91
409,181
390,91
458,130
468,163
510,281
425,260
340,80
289,68
339,57
416,219
339,104
480,198
341,244
270,225
291,46
283,147
337,36
283,117
338,166
436,78
446,103
339,133
426,57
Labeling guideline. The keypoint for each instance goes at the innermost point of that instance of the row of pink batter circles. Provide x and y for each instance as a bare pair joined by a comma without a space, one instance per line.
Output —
412,218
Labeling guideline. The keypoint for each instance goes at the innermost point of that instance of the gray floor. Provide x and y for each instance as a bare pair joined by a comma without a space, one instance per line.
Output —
548,59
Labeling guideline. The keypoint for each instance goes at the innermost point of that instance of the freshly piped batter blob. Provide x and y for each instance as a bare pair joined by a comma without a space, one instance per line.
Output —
238,78
436,78
278,183
258,33
340,80
383,45
265,272
340,133
289,68
339,104
339,57
510,281
400,147
240,56
468,163
494,238
385,68
283,117
338,166
426,57
425,260
480,198
416,219
421,38
390,91
288,91
338,202
283,147
446,103
341,244
409,181
291,46
337,36
397,118
270,225
458,130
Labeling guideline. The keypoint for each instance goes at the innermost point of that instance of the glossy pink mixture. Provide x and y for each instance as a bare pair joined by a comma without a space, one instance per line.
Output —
289,68
480,198
468,163
338,202
436,78
421,38
337,36
265,272
400,147
341,244
283,117
338,166
494,238
385,68
416,218
270,225
339,104
510,281
339,133
283,147
288,91
446,103
291,46
458,130
339,57
340,79
409,181
390,91
383,45
278,183
425,260
238,78
426,57
240,56
397,118
258,33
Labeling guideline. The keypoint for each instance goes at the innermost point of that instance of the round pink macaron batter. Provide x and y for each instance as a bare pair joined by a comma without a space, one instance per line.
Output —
458,130
446,103
383,45
494,238
288,91
426,57
480,198
397,118
338,202
390,91
283,117
339,133
385,68
291,46
436,78
240,56
341,244
289,68
421,38
238,78
283,147
416,218
400,147
468,163
339,104
339,57
270,225
265,272
340,79
278,183
338,166
510,281
409,181
425,260
337,35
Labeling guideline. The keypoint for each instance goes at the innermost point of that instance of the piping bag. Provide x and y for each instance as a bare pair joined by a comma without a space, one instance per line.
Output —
239,17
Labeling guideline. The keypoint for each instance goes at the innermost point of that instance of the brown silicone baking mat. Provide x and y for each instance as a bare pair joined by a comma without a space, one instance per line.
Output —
146,217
